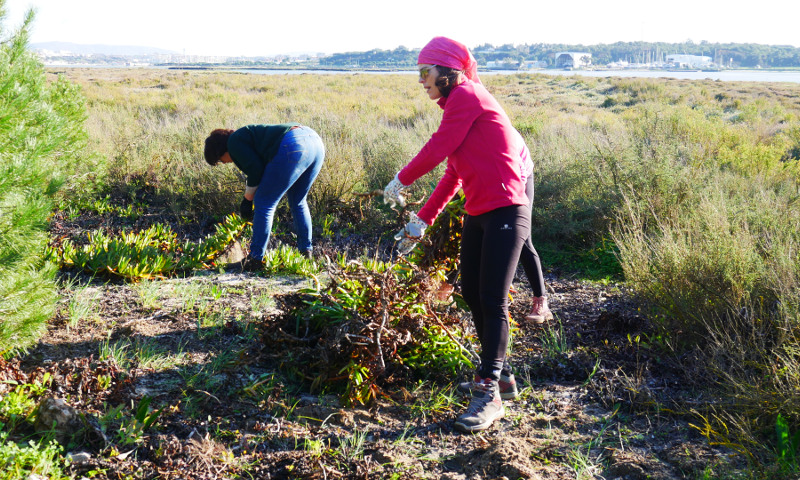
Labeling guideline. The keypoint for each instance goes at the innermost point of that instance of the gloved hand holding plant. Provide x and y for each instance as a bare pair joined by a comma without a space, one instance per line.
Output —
392,193
410,234
246,209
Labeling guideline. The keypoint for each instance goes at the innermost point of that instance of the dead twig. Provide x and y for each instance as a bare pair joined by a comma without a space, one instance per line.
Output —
384,319
450,334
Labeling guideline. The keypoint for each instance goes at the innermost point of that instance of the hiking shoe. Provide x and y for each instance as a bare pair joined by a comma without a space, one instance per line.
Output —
540,312
484,407
507,385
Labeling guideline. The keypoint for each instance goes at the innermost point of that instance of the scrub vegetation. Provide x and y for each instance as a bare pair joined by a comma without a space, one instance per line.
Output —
666,214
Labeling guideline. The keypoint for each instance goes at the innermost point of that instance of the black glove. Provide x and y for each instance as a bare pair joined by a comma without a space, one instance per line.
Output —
246,209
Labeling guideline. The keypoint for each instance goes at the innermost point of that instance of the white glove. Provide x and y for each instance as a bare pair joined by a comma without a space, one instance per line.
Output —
392,195
410,234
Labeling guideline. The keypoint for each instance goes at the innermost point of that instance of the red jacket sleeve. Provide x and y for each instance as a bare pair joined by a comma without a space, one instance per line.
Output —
460,111
444,191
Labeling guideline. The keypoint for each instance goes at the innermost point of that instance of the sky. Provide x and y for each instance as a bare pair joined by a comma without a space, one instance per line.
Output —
269,27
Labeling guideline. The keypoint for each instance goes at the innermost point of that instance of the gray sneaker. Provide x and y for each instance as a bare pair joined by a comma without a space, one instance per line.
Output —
484,408
507,385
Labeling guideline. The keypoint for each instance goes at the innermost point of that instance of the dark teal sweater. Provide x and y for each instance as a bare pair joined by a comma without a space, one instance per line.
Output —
252,147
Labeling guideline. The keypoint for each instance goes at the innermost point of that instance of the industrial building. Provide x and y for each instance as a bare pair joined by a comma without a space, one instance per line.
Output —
573,59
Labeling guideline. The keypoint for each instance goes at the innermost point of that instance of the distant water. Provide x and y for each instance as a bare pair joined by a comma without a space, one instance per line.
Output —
725,75
269,71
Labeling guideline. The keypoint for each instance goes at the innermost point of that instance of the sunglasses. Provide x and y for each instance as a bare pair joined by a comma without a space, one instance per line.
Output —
424,71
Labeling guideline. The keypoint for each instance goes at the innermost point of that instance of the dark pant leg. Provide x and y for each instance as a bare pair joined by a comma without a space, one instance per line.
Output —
529,258
490,249
471,247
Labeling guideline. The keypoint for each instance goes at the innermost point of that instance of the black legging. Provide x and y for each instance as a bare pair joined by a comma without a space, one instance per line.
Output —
529,258
490,248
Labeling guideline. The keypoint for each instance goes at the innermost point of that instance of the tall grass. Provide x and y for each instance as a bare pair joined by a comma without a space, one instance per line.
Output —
722,277
710,241
41,135
150,131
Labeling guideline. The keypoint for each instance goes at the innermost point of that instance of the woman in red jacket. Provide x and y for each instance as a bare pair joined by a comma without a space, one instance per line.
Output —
483,158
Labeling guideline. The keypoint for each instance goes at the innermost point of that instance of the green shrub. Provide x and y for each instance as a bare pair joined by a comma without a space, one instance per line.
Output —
288,260
697,264
437,351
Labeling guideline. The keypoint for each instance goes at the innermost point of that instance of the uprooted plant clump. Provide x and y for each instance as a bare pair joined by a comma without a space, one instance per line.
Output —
375,322
348,373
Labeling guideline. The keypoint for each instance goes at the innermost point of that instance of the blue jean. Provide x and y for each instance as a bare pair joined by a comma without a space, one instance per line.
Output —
291,172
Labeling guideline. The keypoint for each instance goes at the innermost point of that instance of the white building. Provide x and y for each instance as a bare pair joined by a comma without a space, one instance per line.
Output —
689,61
501,65
533,64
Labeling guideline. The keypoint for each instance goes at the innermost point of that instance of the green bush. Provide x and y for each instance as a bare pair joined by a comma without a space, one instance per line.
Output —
41,135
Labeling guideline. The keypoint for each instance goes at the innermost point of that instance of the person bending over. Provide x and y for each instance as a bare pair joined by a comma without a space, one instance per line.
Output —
278,160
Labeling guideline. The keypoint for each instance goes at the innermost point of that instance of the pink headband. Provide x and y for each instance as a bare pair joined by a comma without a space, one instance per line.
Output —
449,53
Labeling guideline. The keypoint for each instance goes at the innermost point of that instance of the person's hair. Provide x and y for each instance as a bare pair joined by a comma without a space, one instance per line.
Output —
216,145
447,79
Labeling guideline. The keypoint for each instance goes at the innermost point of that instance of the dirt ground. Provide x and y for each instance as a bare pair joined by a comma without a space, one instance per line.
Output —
596,401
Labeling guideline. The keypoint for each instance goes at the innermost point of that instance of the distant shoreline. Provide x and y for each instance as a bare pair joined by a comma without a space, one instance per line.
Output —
411,69
738,75
267,67
310,68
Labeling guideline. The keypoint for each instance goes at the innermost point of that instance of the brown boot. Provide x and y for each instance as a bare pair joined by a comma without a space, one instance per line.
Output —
540,312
